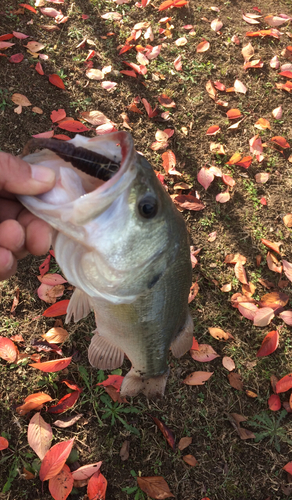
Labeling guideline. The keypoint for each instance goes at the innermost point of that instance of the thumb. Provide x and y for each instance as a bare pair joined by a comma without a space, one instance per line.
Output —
19,177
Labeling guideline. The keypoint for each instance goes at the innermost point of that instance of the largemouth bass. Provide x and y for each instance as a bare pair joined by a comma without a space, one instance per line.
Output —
124,246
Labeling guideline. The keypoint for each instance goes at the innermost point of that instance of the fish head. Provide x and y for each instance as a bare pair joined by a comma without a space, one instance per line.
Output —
113,240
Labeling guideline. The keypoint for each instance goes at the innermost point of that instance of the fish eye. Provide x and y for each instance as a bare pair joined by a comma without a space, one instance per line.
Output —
148,207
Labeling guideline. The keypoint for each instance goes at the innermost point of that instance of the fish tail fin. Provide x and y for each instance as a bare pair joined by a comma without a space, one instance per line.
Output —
153,387
183,342
103,354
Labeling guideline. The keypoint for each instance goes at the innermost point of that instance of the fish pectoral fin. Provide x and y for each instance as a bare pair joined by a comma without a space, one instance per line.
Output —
79,306
183,342
103,354
134,383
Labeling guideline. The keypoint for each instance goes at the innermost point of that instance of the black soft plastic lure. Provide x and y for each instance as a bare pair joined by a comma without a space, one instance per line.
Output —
83,159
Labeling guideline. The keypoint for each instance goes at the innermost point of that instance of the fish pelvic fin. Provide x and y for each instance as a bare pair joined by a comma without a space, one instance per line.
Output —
134,383
79,306
103,354
183,342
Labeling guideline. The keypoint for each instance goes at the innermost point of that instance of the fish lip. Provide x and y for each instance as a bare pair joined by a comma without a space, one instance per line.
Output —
88,206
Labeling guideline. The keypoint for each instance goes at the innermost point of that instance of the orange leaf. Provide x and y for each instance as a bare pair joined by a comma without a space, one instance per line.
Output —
281,141
61,485
219,334
203,46
184,443
205,353
154,486
96,488
240,273
8,350
245,162
33,401
56,335
275,300
55,459
262,124
3,443
234,159
28,7
169,160
272,246
56,116
233,114
273,263
52,366
288,467
56,80
57,309
213,130
269,344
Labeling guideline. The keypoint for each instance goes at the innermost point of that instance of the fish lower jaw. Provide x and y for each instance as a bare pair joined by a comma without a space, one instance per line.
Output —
152,387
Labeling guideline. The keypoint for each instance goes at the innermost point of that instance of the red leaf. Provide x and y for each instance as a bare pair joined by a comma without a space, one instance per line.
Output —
284,384
113,380
39,68
195,345
245,162
166,101
166,5
274,402
8,350
287,74
73,126
6,37
3,443
288,467
57,81
96,488
125,48
269,344
28,7
151,112
55,459
52,366
45,266
205,353
128,73
233,114
155,487
61,485
72,386
65,403
167,433
57,309
56,116
169,162
16,58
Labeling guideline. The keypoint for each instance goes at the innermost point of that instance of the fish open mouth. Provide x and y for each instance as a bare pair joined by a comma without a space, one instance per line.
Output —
90,162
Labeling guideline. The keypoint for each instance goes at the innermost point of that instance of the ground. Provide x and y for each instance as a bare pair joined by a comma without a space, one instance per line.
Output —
228,468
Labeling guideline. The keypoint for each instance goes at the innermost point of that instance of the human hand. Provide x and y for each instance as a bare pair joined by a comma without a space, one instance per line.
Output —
20,231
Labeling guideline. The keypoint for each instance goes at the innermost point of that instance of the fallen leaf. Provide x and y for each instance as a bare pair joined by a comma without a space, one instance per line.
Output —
280,141
56,335
273,263
223,197
219,334
197,378
247,52
60,486
3,443
39,435
228,363
203,46
287,268
226,288
286,316
262,124
287,219
86,471
154,486
189,202
262,177
205,353
240,87
240,273
184,443
65,422
233,114
52,366
124,452
205,177
33,401
8,350
96,488
57,81
263,316
20,100
55,459
274,402
167,433
190,460
57,309
235,381
269,344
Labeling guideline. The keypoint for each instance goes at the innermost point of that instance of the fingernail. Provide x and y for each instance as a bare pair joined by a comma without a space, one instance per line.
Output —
42,174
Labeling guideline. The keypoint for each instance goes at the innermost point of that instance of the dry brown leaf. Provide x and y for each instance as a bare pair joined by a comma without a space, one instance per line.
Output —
235,381
124,452
20,100
190,460
219,334
184,442
287,219
228,363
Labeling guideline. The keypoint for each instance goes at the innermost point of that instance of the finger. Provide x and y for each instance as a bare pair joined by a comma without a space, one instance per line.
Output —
17,176
8,264
9,209
38,237
12,236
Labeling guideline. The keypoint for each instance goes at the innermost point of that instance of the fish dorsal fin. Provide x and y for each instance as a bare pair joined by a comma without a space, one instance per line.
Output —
103,354
153,387
183,342
79,306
